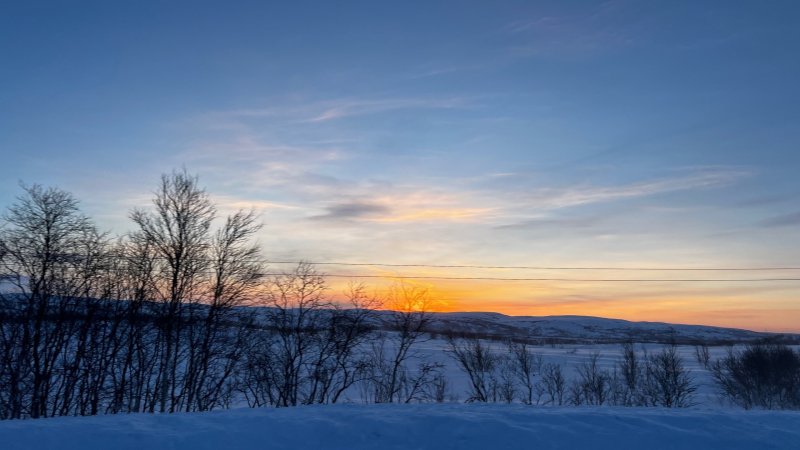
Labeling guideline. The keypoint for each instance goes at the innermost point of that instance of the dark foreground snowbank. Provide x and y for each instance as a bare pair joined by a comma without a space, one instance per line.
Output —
414,427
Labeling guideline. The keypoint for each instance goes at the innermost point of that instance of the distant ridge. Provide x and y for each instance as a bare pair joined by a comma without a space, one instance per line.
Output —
572,328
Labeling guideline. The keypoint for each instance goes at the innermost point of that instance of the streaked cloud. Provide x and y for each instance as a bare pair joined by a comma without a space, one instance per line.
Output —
583,195
352,210
316,110
398,205
349,108
593,29
550,223
786,220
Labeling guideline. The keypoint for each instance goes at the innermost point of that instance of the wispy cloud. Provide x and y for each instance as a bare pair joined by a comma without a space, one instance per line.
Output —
583,195
555,222
374,202
766,200
560,208
311,111
596,29
238,203
327,187
291,138
348,108
537,23
786,220
437,215
435,70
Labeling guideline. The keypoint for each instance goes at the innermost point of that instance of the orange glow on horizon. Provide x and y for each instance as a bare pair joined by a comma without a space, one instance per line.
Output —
715,306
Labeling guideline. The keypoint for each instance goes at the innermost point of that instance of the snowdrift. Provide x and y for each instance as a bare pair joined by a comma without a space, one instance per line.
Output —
449,426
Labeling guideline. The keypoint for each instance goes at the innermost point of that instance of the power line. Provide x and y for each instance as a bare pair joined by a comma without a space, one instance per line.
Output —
587,280
471,266
490,278
458,266
553,279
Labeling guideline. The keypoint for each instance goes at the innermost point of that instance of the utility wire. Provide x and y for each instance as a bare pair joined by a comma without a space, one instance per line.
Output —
618,280
473,266
470,266
489,278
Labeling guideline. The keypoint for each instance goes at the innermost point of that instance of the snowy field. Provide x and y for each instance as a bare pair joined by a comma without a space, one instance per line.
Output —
429,426
570,357
710,424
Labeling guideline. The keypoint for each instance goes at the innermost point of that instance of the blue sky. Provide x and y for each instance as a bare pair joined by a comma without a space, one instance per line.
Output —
613,133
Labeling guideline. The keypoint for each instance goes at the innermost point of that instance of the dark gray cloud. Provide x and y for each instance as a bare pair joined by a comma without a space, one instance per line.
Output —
352,210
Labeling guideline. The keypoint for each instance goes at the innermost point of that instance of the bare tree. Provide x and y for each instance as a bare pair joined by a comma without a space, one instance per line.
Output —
438,388
179,230
505,381
311,347
479,363
554,383
416,384
49,257
703,355
631,370
593,384
339,363
216,345
525,365
667,382
133,372
199,278
294,316
408,321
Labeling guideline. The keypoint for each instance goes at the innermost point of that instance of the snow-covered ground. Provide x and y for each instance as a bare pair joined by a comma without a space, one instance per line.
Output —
429,426
355,425
582,328
570,357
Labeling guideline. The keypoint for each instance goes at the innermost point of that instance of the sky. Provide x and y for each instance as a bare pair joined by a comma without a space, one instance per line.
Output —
580,134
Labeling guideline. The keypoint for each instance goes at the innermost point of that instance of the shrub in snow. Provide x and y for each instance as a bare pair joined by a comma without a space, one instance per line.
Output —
554,383
479,363
667,382
760,376
593,385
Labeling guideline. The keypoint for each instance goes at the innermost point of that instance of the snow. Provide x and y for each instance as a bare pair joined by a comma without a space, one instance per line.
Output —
577,328
570,357
428,426
709,425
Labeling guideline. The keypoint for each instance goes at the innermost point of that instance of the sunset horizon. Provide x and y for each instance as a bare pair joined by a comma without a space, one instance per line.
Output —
616,159
438,224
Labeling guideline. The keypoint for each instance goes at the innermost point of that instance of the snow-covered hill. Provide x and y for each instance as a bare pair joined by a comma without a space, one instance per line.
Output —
429,426
564,329
583,328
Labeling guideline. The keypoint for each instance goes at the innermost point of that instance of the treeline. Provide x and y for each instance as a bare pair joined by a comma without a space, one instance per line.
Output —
161,320
763,375
517,374
438,332
156,320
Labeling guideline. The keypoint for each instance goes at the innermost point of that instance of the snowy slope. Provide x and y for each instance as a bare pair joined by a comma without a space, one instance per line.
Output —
413,427
578,328
565,329
570,357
